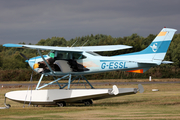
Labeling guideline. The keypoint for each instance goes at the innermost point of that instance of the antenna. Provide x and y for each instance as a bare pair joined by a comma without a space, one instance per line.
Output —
74,43
85,43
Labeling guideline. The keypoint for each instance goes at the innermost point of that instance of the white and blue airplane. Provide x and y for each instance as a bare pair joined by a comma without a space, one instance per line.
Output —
74,62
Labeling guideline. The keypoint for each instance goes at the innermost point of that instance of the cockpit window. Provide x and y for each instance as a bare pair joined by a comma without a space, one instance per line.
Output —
59,55
78,56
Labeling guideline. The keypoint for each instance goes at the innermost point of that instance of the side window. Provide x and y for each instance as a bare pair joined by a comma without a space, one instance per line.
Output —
67,55
78,56
61,55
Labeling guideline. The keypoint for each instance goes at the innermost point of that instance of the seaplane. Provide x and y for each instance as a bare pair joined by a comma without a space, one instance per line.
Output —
73,63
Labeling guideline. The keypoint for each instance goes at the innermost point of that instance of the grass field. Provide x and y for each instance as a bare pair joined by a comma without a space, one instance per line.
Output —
164,104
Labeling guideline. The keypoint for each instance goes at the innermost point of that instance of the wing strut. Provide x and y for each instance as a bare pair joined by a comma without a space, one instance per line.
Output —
45,61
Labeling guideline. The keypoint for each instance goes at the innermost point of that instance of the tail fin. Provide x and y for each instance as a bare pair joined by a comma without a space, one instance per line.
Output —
160,44
156,51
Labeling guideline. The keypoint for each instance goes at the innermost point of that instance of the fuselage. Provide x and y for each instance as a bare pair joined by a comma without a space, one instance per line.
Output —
83,63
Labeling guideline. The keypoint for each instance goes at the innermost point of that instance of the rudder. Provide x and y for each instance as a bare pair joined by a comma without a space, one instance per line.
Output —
164,39
160,44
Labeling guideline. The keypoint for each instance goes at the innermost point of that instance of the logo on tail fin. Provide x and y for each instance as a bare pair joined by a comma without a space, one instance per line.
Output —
154,47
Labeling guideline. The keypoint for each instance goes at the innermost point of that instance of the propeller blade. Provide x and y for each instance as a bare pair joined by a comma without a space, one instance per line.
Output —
24,56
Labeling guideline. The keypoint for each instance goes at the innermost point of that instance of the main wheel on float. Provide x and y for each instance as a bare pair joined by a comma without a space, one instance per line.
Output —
87,102
61,104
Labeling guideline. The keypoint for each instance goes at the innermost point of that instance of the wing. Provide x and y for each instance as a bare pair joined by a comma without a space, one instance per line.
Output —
73,49
103,48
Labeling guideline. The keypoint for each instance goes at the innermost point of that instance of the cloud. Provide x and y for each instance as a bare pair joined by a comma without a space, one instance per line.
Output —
29,21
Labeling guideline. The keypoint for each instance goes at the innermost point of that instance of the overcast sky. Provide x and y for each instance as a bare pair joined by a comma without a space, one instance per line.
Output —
32,20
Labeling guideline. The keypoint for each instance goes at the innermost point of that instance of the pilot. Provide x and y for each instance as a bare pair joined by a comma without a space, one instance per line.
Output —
43,65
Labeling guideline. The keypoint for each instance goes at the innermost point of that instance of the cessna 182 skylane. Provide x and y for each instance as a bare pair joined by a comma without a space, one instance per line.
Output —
75,62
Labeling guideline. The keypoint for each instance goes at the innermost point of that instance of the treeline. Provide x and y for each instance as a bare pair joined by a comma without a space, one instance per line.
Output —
13,65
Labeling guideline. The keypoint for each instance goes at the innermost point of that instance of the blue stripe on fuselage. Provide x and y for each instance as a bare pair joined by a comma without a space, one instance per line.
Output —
111,60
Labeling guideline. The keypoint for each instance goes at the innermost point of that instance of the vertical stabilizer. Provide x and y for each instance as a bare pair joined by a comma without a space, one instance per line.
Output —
160,44
156,51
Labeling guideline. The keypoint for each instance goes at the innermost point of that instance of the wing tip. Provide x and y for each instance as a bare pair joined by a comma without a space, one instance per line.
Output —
12,45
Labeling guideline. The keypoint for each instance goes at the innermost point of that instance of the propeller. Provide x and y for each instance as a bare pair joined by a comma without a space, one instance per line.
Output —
24,56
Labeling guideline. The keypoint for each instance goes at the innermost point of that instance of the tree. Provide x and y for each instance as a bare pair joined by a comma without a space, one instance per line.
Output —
41,42
1,48
1,61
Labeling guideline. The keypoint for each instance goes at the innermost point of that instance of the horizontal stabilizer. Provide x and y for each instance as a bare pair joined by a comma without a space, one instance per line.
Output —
155,62
167,62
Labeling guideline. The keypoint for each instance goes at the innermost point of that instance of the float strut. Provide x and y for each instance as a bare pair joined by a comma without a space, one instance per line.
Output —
39,81
57,83
69,82
87,82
